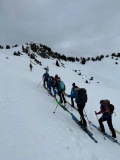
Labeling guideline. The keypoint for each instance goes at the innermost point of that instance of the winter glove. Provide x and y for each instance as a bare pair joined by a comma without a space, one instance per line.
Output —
68,96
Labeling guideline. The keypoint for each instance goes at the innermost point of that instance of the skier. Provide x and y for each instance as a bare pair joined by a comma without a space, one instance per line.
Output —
80,99
30,65
45,78
57,64
61,90
105,109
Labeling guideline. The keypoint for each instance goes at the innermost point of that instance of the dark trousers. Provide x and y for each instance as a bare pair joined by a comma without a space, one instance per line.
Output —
45,81
109,122
80,109
61,95
72,101
52,89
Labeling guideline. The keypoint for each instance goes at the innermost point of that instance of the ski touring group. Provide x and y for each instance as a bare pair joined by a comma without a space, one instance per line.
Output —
56,86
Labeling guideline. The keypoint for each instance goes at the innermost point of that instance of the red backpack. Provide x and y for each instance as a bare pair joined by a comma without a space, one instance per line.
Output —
108,108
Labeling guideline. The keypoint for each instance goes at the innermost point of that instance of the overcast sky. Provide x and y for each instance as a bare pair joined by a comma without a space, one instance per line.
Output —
71,27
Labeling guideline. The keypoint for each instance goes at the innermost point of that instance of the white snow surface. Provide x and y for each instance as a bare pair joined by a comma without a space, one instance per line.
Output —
29,130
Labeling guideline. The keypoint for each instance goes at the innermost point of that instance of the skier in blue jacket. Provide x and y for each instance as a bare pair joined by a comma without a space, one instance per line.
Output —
80,106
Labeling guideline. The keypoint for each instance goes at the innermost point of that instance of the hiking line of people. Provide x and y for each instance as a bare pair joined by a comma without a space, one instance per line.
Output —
56,86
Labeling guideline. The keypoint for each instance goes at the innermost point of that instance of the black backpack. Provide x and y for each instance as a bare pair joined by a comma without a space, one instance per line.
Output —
112,108
82,96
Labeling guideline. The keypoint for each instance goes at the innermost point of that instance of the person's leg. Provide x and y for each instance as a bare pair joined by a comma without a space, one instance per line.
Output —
63,98
44,82
80,109
109,122
47,83
101,120
49,87
54,91
59,93
72,101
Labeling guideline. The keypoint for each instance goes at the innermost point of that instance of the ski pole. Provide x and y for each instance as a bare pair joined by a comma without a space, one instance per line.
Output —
98,122
68,102
96,116
55,108
39,83
88,120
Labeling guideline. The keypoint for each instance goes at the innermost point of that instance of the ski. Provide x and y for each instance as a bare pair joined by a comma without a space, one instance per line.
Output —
90,134
84,129
105,134
63,106
75,119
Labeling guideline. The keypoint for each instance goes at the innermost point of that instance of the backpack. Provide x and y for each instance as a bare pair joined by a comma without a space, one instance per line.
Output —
112,108
82,96
108,108
51,80
61,86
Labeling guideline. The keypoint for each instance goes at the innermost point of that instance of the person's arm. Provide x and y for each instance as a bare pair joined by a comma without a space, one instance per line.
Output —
101,111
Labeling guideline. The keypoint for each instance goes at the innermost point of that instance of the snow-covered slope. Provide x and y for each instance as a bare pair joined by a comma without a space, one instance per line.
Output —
28,128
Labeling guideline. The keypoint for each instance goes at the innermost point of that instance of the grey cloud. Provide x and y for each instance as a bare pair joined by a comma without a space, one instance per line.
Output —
70,27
